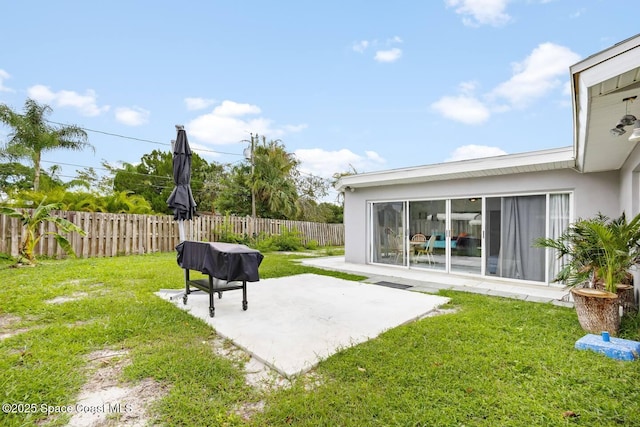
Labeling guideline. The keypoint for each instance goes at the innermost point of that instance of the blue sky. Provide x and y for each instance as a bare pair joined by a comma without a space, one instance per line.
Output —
371,85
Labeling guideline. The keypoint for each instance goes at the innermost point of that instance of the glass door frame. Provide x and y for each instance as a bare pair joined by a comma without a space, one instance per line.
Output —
403,230
484,232
450,234
406,230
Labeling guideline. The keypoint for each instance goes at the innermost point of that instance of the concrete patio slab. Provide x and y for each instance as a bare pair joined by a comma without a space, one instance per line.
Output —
295,322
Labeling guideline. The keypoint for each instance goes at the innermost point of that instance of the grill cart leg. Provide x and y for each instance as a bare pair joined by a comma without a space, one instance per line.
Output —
212,309
186,286
244,295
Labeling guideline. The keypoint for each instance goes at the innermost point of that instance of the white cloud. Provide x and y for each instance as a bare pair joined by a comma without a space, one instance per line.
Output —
462,108
324,163
4,76
231,109
390,55
481,12
85,104
385,52
198,103
473,151
228,124
542,71
360,46
132,116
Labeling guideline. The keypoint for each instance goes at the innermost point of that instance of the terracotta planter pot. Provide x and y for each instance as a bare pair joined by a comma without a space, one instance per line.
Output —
597,310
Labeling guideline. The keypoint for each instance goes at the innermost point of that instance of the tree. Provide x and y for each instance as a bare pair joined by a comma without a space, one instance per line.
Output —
82,201
15,176
212,185
335,178
235,194
281,190
274,179
333,214
32,135
152,179
31,220
310,188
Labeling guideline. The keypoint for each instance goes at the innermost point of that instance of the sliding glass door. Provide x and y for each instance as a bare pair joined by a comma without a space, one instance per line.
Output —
466,235
491,236
427,237
513,225
388,238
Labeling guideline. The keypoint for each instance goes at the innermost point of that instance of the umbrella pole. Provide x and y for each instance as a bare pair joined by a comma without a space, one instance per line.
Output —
181,230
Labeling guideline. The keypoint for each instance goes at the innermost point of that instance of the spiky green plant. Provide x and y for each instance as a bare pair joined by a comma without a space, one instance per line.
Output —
597,249
32,219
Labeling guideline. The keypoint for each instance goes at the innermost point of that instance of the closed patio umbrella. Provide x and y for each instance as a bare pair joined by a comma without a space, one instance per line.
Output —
181,198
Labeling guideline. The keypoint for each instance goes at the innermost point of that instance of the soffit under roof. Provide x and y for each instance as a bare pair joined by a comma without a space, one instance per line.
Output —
601,84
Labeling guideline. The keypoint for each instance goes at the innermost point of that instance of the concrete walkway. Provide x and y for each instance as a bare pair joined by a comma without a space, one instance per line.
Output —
432,281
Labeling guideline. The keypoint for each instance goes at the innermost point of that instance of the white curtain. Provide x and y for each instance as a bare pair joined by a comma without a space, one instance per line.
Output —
558,223
523,220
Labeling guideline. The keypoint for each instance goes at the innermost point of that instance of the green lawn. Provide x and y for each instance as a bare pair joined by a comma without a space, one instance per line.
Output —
492,362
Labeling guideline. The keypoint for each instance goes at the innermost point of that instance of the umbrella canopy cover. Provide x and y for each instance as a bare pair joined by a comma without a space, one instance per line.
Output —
181,198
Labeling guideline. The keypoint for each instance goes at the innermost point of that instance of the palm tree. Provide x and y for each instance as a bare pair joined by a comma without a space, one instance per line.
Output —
274,179
32,135
598,250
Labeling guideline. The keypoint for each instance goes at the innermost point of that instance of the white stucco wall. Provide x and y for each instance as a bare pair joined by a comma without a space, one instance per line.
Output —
630,184
630,196
593,193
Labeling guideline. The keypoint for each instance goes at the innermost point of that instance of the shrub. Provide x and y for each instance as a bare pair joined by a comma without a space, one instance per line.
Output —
312,245
32,219
224,233
288,240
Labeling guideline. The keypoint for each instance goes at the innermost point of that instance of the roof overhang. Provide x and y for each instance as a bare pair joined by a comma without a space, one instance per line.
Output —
534,161
600,84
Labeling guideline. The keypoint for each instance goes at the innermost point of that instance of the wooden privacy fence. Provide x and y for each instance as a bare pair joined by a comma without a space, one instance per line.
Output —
111,234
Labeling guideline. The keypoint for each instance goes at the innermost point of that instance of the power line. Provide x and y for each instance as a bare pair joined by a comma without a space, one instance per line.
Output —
136,189
146,175
107,169
144,140
159,143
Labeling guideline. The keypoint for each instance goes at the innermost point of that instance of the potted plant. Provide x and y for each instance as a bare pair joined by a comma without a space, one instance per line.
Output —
629,234
597,255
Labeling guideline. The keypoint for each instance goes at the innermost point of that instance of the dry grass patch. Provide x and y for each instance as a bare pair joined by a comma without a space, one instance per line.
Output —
106,401
7,323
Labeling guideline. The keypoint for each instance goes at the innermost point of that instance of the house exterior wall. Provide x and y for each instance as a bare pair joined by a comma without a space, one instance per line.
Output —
593,193
630,184
630,196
